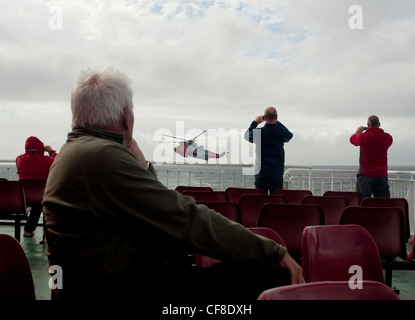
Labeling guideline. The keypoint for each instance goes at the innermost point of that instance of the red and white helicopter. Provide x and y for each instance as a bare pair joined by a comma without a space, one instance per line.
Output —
189,148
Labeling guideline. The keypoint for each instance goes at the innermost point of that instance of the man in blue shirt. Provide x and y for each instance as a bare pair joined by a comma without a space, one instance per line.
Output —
269,141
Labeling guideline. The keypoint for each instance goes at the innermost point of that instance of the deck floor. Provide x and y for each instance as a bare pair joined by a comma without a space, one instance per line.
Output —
403,280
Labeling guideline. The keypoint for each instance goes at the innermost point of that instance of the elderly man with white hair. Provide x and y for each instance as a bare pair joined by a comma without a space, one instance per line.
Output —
119,233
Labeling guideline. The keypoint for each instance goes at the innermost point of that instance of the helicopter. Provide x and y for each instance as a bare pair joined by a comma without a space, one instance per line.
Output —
189,148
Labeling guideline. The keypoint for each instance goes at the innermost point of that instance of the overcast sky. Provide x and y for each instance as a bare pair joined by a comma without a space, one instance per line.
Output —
195,65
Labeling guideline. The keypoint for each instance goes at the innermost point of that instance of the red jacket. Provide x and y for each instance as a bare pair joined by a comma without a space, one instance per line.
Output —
33,164
374,144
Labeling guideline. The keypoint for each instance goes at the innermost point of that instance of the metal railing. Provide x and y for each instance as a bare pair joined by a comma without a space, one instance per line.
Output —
320,180
220,177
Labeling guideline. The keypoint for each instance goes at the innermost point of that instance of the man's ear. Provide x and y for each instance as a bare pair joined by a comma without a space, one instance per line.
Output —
126,120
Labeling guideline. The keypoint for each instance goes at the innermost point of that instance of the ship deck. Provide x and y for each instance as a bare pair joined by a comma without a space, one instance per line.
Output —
320,180
403,280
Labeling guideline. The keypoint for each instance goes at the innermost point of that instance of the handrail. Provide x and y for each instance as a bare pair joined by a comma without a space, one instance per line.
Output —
221,176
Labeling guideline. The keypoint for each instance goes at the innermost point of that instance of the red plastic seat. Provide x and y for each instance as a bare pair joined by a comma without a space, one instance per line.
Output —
12,204
207,195
251,204
329,252
353,197
391,202
268,233
386,226
234,194
293,196
205,261
16,282
192,188
289,221
332,206
410,255
330,290
228,209
33,191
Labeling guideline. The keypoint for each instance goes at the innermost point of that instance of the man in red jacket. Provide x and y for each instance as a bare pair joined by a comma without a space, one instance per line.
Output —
33,164
374,144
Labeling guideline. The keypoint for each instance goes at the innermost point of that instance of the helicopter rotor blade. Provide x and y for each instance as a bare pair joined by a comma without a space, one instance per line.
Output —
174,137
199,135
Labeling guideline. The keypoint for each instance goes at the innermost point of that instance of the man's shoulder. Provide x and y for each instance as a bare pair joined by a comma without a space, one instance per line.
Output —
383,133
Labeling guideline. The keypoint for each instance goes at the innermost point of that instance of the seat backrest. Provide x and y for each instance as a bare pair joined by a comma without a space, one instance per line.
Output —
33,191
293,196
353,197
12,200
330,251
330,290
16,282
385,225
228,209
332,206
207,195
12,204
205,261
251,204
268,233
234,194
391,202
192,188
289,221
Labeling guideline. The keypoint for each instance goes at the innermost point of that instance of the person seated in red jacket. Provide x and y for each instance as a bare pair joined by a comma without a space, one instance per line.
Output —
34,164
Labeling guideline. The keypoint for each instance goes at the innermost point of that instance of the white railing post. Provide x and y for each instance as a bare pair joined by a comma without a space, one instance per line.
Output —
411,204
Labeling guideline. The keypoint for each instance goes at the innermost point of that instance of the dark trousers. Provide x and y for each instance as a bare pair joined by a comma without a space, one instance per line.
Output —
173,283
379,187
268,184
33,219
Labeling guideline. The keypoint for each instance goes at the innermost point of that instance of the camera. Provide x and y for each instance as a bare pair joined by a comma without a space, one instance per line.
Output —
365,128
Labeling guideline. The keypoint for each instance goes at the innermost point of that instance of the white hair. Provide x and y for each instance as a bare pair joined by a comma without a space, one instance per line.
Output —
99,97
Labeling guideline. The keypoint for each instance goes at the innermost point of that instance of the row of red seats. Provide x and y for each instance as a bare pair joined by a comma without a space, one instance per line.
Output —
329,254
15,274
331,290
385,219
326,267
15,196
332,202
233,194
332,256
340,262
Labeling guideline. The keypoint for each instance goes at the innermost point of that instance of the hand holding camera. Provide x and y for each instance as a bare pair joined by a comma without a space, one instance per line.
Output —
360,129
259,119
